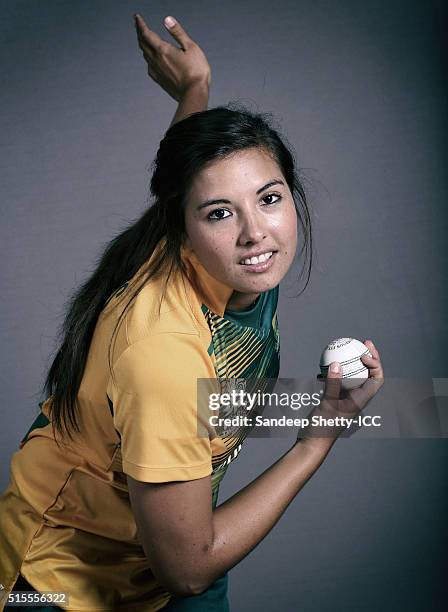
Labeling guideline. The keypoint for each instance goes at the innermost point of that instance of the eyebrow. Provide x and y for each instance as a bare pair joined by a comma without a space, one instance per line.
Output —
224,201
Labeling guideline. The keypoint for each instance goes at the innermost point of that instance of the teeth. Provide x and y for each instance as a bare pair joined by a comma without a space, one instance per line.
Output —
255,260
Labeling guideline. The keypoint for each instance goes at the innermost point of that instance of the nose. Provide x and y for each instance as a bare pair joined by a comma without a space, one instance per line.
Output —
252,229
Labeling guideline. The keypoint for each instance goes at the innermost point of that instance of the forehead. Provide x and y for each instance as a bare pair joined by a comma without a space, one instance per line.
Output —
242,171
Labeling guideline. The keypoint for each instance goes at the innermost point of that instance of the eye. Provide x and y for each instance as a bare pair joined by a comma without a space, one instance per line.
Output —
217,214
271,195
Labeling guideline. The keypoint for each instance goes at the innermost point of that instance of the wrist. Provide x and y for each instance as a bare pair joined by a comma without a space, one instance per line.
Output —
200,86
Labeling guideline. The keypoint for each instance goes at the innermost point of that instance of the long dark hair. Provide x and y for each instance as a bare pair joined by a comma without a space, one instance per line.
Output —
186,147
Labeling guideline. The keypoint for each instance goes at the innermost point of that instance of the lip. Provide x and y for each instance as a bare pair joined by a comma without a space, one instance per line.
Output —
258,253
260,267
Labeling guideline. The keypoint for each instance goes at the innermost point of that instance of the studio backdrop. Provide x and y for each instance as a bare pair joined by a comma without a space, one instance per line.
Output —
359,90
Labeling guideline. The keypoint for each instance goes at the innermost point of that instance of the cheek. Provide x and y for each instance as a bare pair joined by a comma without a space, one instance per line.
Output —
292,216
293,227
292,235
210,243
288,229
286,226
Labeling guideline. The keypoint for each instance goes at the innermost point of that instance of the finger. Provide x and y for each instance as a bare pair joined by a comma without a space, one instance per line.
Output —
333,381
372,348
177,32
146,36
371,362
374,366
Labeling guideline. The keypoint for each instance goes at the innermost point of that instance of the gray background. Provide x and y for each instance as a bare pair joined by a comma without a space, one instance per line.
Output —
359,90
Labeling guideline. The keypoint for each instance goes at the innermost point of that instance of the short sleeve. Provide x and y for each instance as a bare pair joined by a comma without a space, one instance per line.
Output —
155,408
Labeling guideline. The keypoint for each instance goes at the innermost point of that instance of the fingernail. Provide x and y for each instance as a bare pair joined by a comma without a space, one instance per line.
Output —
335,367
170,22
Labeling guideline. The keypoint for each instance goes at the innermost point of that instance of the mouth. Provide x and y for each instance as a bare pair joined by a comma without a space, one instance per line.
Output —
259,263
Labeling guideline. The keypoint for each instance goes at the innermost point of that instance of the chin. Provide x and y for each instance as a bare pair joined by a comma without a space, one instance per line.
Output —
258,287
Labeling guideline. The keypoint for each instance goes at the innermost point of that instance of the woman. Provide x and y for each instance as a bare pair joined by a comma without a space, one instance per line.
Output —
113,494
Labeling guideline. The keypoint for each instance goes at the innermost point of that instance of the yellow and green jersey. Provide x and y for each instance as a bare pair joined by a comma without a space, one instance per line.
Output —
66,522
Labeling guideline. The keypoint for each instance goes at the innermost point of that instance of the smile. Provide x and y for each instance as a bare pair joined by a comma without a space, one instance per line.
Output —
257,260
260,263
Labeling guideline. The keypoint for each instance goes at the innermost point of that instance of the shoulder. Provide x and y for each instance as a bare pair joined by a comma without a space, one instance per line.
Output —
163,306
173,360
163,320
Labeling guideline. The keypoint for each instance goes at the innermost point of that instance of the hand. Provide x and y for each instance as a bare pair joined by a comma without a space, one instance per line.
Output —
337,402
373,363
175,69
353,401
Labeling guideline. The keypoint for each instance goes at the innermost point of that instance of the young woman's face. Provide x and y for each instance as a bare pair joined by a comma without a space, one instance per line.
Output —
240,208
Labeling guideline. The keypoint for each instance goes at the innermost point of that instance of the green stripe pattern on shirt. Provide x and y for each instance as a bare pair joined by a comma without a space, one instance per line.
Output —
245,345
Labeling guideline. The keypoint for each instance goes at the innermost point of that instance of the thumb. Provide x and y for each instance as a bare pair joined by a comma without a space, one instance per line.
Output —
177,31
333,381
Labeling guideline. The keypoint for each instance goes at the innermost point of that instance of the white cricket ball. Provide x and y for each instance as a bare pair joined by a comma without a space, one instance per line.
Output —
346,351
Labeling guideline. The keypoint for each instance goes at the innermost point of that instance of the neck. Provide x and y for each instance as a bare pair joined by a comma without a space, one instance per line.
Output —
241,301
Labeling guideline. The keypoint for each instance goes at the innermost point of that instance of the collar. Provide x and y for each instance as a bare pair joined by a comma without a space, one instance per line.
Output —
213,293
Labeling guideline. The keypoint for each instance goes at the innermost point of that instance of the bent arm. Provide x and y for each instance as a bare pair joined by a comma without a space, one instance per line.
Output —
247,517
190,546
194,100
181,71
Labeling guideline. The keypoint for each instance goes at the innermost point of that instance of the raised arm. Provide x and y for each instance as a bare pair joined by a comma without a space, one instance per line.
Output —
182,71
